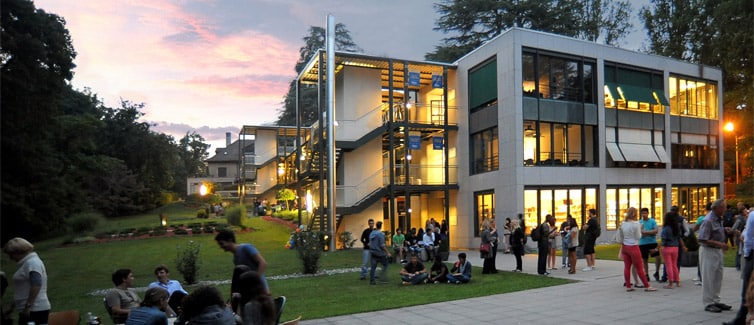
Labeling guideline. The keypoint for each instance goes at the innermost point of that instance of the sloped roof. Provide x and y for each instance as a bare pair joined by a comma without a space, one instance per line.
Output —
230,153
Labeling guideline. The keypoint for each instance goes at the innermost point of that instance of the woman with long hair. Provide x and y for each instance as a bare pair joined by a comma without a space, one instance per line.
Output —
488,236
552,240
517,241
573,244
255,306
628,235
671,242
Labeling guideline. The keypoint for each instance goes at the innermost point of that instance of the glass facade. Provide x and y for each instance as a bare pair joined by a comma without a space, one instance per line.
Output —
691,200
559,144
634,89
551,76
484,151
619,199
694,98
539,202
484,208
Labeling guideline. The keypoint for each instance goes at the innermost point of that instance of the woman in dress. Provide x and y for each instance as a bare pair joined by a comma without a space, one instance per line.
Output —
29,281
553,243
517,241
628,235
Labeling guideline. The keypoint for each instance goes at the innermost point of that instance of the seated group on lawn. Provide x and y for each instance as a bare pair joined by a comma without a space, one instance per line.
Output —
414,271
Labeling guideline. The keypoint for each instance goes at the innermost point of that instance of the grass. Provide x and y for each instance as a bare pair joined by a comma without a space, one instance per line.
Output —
77,274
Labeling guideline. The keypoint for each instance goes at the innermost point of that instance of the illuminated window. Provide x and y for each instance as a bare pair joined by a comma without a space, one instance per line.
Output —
485,209
554,77
484,151
695,98
560,202
619,199
691,200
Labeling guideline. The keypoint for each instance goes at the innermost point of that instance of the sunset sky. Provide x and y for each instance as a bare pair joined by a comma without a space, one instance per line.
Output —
215,65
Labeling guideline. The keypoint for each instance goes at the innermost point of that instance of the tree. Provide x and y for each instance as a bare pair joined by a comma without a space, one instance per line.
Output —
313,42
475,21
36,62
286,195
192,152
711,32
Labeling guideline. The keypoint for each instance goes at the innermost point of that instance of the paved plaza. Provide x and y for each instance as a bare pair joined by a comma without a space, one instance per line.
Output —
597,298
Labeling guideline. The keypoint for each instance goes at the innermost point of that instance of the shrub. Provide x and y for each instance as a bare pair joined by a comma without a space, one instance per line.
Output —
309,245
180,231
187,262
83,222
692,244
201,213
235,214
286,214
159,231
346,239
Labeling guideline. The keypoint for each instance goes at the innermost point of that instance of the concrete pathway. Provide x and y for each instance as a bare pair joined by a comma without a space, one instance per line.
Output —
598,298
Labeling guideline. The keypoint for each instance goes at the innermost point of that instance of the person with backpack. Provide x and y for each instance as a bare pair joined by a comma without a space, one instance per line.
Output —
592,231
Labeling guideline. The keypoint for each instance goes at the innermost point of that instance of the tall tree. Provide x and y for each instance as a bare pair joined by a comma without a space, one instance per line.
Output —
472,22
716,33
192,151
36,62
313,42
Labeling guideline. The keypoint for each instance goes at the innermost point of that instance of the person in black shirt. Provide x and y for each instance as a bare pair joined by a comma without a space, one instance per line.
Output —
366,255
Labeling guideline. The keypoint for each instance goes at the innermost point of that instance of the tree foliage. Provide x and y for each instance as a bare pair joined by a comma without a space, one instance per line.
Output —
313,42
64,151
473,22
716,33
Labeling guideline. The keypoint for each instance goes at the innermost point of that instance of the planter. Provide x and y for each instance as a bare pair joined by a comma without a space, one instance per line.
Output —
689,259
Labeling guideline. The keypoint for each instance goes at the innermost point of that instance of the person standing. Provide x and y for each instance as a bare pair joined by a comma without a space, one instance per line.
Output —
543,245
517,242
746,267
29,281
591,232
365,255
488,236
574,230
713,244
379,252
565,234
243,254
507,231
671,243
648,243
629,235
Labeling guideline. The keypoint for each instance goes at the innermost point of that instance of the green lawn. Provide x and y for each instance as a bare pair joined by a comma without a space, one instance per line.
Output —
77,272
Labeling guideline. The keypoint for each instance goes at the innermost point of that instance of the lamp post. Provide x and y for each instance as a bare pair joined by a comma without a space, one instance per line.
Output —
730,128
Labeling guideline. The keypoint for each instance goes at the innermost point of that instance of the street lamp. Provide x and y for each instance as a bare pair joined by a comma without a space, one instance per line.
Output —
731,128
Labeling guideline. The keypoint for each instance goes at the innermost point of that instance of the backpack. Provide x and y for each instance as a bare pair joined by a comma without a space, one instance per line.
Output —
536,234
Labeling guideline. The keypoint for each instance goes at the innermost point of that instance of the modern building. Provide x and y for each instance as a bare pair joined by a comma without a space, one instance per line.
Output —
528,124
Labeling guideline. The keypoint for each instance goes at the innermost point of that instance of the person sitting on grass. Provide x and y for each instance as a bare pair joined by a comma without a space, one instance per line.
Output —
461,271
439,271
254,306
413,272
122,298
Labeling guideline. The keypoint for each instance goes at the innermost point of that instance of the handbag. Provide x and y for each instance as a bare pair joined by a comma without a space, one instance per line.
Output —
484,248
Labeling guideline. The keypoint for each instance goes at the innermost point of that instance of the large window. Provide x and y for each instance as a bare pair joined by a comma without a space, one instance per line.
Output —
634,89
559,144
484,203
483,85
560,202
484,151
691,200
693,98
222,172
619,199
554,77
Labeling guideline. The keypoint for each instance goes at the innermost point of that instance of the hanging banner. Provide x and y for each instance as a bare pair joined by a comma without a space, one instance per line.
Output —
437,143
414,78
436,81
414,140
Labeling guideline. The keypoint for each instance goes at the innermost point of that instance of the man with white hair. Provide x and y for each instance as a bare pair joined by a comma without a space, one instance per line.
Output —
713,244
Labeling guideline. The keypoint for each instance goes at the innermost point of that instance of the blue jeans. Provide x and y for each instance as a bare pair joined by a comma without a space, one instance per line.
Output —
460,278
381,260
566,244
416,279
366,255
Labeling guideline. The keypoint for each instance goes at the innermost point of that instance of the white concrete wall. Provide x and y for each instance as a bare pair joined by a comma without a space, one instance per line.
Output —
357,100
362,172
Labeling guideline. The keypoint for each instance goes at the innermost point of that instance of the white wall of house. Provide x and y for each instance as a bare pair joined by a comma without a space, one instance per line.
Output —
265,145
362,172
357,100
